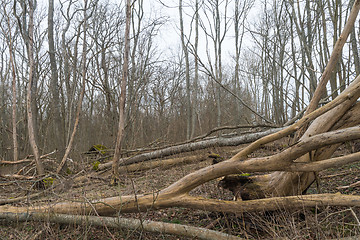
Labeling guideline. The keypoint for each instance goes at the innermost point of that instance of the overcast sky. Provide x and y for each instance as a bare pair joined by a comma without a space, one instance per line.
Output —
169,39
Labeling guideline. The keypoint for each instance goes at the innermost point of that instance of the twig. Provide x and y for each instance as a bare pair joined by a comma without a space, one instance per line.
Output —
335,175
356,218
27,197
15,162
349,186
16,176
27,159
18,199
37,235
212,224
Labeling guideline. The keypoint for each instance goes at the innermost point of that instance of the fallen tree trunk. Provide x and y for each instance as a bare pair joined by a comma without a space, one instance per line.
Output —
165,163
124,204
257,139
231,127
217,142
120,223
286,183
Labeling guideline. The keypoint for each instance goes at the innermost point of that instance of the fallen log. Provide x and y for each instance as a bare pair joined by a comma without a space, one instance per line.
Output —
231,127
124,204
217,142
120,223
165,163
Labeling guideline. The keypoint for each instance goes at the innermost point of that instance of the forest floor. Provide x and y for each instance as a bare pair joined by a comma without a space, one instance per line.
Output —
314,223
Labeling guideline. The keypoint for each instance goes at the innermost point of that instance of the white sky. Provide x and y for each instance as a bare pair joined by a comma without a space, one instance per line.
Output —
168,39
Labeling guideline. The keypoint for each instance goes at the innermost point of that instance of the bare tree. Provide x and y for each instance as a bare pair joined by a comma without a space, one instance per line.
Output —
184,45
240,15
83,84
216,27
68,65
10,39
54,84
28,36
196,72
103,30
115,165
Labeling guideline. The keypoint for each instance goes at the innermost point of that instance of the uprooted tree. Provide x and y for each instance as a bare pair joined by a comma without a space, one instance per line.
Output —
293,170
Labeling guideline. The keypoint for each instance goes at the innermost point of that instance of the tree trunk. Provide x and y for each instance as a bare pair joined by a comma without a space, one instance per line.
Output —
354,49
218,142
196,72
120,223
58,139
120,134
288,183
82,93
30,92
187,72
10,40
